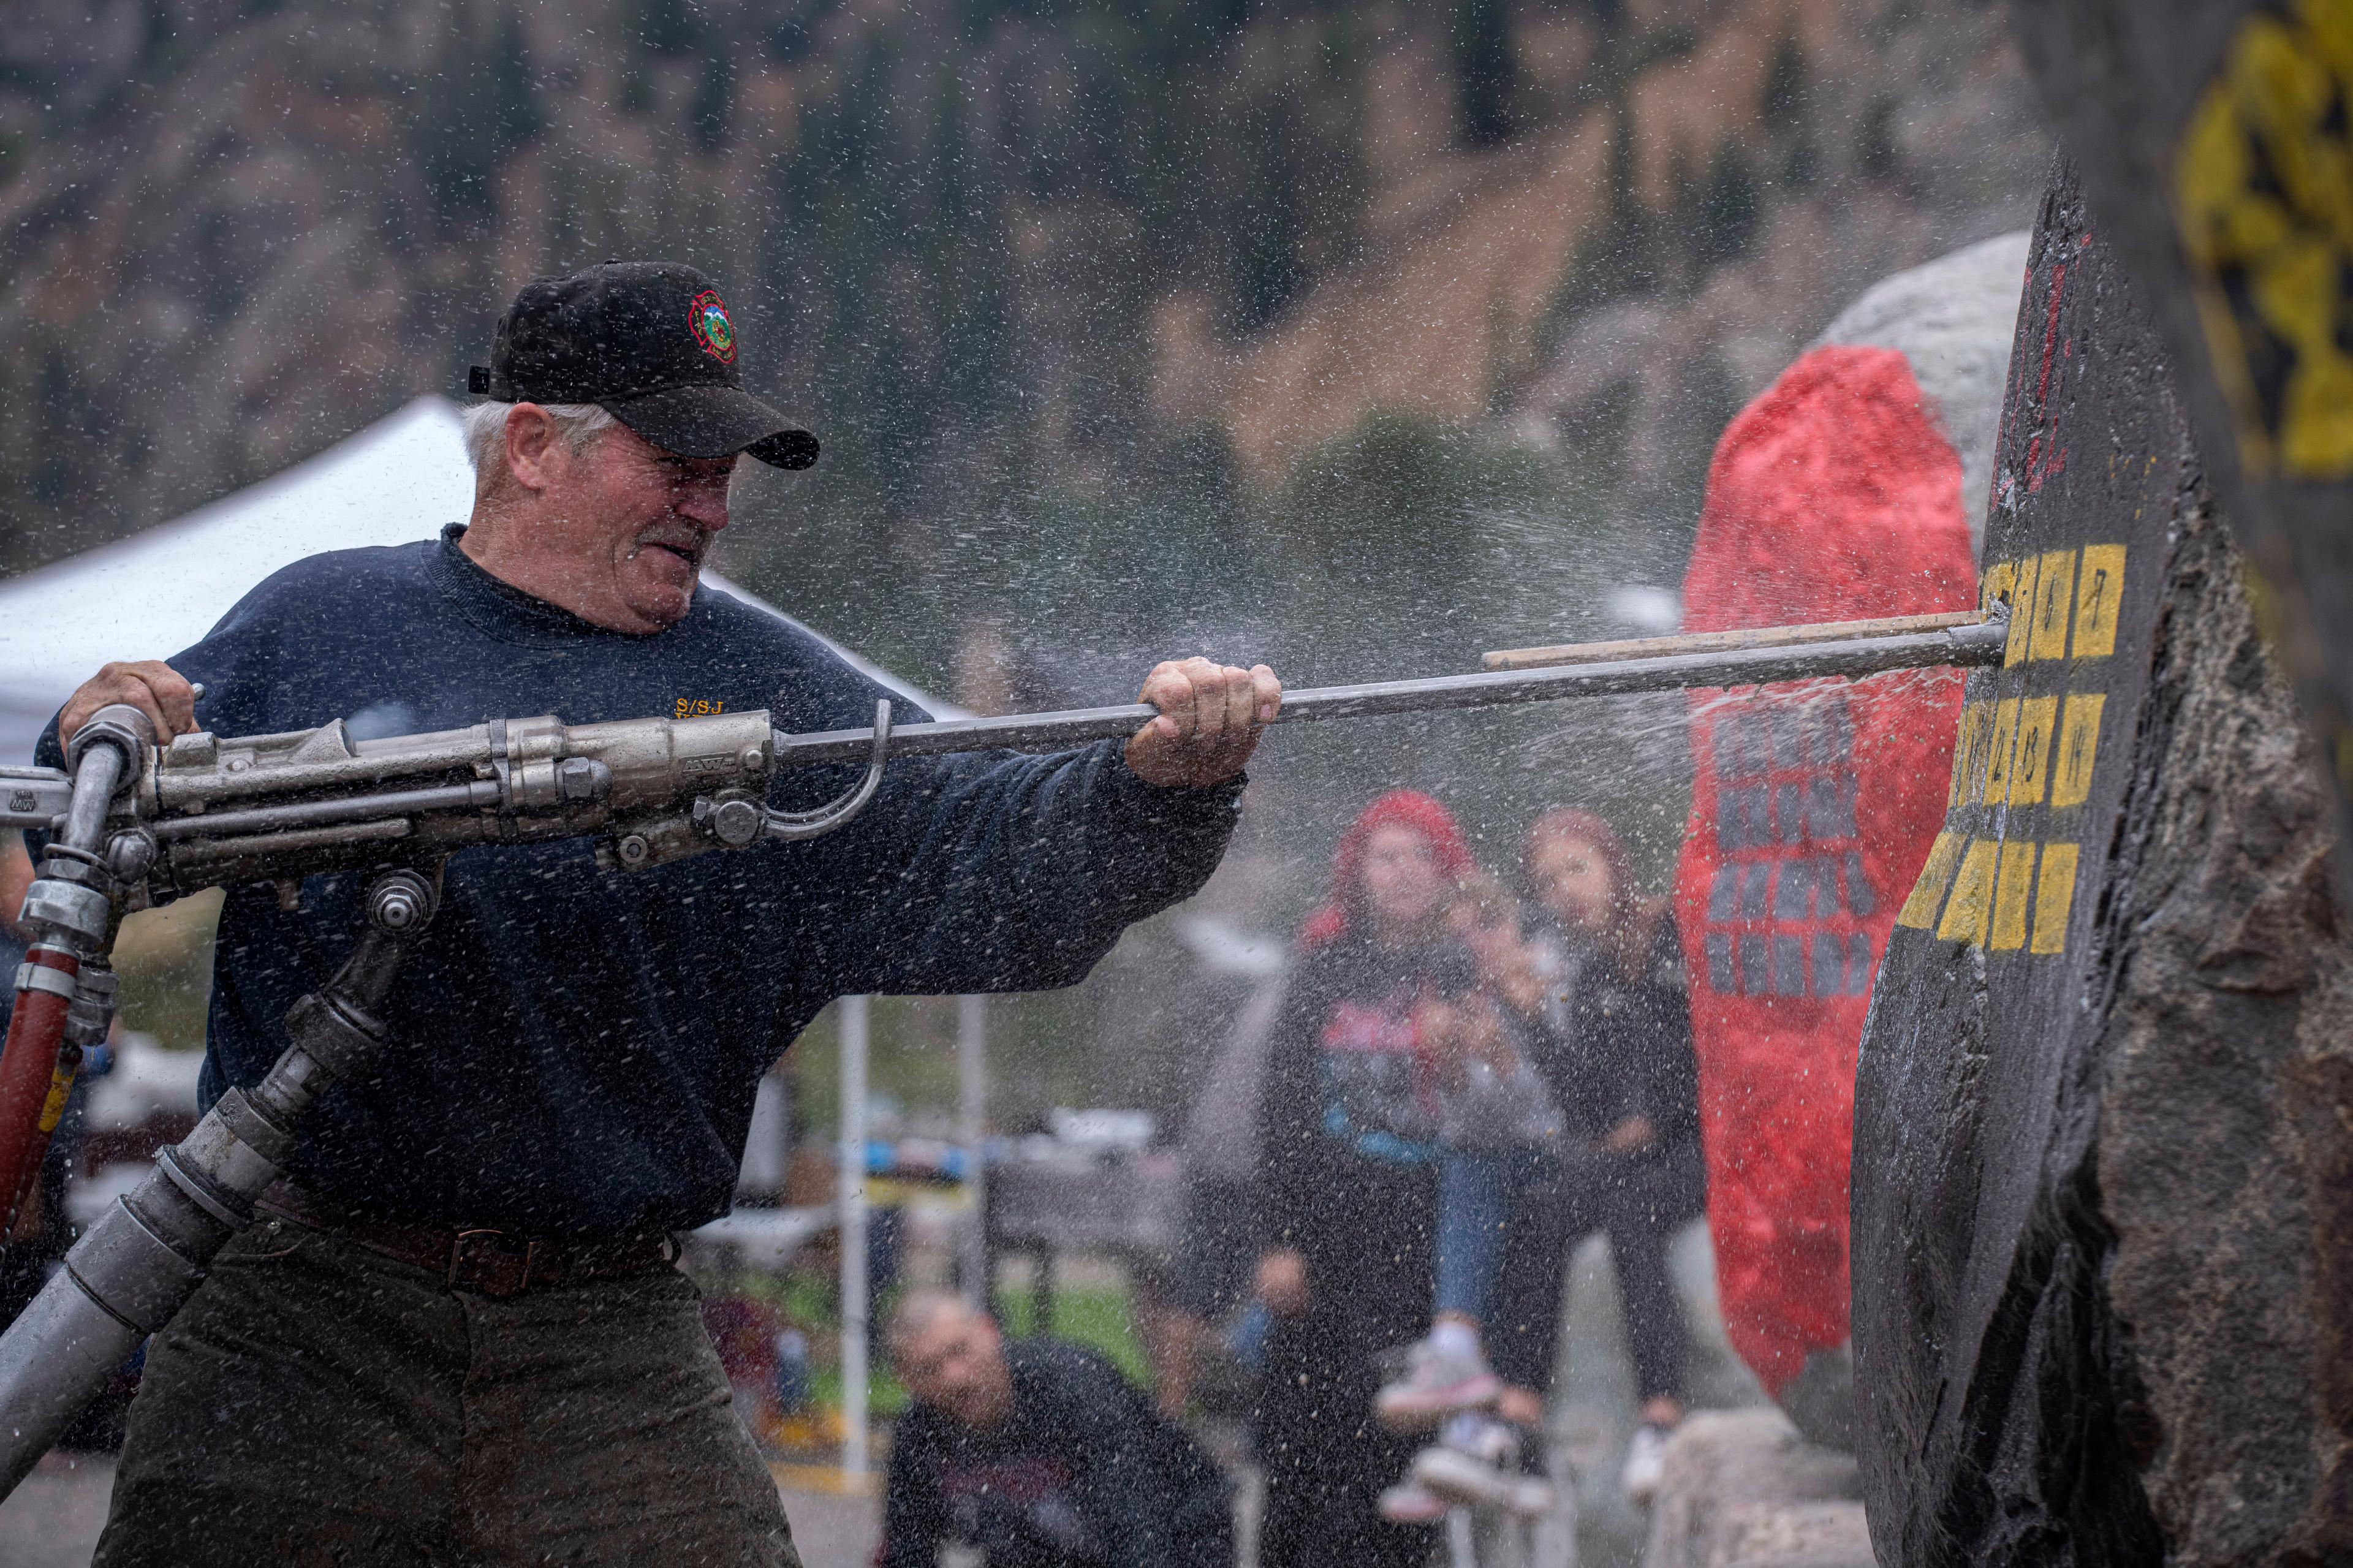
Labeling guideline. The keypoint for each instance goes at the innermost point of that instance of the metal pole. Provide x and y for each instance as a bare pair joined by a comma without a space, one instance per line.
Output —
972,1130
1849,658
853,1235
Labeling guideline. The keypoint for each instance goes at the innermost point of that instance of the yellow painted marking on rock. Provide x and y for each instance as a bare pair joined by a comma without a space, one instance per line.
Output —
2000,583
2054,899
1919,910
1968,742
2054,585
2097,589
2030,770
2021,608
1965,914
2078,748
1998,749
2011,884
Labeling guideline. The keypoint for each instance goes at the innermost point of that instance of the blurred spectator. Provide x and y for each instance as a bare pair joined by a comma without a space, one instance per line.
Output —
1501,1132
1041,1454
1348,1184
1499,1129
1212,1275
1615,1048
745,1331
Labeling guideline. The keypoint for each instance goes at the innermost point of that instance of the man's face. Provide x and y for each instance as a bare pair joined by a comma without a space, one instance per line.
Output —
956,1365
633,523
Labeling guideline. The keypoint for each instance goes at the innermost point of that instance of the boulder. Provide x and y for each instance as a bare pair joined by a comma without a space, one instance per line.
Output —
2102,1165
2212,136
1951,319
1838,494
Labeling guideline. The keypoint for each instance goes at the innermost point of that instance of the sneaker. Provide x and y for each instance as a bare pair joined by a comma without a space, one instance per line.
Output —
1646,1465
1439,1381
1410,1503
1485,1439
1467,1479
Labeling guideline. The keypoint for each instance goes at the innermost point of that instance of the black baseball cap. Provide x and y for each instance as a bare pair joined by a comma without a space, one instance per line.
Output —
652,344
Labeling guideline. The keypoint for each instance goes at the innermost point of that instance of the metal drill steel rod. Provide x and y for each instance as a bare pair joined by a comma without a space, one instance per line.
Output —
1962,646
1727,641
149,1250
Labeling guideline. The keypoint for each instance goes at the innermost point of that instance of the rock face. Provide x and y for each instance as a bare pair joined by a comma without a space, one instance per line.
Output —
2103,1178
1744,1491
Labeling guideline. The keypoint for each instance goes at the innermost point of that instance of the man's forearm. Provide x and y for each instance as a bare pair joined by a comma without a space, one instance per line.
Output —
1017,873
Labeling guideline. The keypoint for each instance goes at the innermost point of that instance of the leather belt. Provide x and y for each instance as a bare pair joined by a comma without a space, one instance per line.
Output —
486,1261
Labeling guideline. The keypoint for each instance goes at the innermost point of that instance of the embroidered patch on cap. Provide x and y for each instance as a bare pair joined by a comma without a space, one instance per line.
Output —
713,329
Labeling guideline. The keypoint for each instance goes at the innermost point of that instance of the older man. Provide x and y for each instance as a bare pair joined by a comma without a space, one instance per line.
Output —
457,1336
1039,1453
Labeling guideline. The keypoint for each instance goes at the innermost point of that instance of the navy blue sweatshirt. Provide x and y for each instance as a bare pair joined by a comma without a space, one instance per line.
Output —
1081,1473
576,1050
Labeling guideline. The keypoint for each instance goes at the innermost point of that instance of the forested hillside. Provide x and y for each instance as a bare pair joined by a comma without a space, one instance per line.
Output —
994,250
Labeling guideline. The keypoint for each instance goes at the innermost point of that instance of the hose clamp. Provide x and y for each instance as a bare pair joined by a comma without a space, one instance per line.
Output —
200,1192
35,977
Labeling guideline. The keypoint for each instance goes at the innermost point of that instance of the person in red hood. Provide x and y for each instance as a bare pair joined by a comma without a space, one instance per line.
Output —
1347,1183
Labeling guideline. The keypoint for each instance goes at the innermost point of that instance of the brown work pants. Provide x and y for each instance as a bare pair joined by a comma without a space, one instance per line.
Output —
317,1403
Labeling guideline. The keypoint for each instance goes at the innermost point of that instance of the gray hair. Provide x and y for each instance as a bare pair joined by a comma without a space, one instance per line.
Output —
486,428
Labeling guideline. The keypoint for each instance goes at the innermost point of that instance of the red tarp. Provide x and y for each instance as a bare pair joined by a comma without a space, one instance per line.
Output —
1833,496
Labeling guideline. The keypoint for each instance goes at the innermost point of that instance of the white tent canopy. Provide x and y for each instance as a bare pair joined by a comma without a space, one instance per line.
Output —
149,596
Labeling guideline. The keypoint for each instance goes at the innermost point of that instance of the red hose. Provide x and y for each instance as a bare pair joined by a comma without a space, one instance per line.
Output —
27,1196
28,1070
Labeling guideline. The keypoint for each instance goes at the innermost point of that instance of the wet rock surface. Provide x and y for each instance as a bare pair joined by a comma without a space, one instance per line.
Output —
2102,1202
1743,1489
